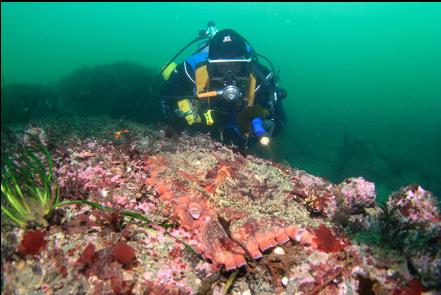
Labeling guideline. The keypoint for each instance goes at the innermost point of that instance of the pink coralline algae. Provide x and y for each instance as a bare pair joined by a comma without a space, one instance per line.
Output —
429,268
356,193
415,205
418,219
231,209
120,200
90,175
317,194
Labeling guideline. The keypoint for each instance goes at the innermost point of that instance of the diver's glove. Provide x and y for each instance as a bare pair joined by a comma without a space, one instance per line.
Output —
259,131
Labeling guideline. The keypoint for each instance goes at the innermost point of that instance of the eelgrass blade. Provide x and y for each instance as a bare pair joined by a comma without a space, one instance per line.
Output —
135,216
18,205
8,174
13,216
43,199
28,178
229,282
37,167
92,204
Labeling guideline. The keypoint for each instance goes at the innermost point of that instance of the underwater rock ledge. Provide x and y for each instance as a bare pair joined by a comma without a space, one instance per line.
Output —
210,211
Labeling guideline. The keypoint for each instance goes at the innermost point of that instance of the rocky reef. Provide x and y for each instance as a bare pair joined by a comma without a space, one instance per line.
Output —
25,102
119,90
214,221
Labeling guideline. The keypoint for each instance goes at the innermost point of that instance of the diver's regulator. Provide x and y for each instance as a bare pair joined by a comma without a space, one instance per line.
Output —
230,93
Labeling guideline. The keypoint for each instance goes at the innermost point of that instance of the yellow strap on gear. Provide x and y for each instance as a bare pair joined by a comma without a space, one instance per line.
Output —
190,113
168,71
208,117
251,89
201,79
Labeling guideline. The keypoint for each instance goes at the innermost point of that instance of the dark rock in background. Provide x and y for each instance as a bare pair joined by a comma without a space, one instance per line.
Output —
22,102
118,90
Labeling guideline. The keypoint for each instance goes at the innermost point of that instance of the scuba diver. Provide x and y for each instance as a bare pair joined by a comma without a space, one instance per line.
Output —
223,88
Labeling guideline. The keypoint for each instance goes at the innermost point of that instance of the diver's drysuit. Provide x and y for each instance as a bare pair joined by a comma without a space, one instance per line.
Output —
239,105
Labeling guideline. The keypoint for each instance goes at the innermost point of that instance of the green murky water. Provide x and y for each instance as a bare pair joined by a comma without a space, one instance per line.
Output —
363,79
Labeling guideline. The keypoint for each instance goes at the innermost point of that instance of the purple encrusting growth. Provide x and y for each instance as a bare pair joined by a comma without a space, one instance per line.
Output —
415,204
356,193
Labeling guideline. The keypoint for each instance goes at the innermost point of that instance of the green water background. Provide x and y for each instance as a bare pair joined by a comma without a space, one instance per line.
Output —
370,70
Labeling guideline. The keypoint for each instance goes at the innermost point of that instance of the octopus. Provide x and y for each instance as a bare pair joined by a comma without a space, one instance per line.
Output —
236,209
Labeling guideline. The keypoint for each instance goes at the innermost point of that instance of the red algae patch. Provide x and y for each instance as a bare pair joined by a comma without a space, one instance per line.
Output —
33,242
88,254
326,241
123,253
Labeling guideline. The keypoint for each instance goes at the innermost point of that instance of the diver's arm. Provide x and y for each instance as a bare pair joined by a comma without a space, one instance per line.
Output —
179,84
265,97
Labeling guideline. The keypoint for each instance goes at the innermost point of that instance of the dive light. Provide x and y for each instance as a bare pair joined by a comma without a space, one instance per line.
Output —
264,140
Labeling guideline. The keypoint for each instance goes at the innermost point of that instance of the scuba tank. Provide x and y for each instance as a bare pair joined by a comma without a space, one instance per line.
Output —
210,32
166,70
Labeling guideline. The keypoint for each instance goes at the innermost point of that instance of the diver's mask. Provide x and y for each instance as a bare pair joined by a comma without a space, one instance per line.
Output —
229,76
